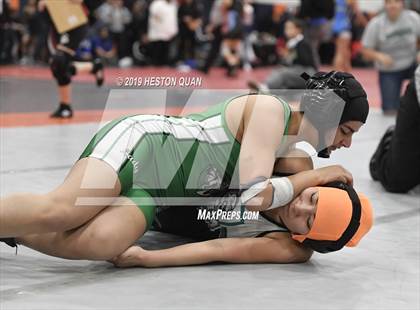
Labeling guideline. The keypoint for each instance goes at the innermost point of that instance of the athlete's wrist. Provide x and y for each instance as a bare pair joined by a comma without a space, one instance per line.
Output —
317,177
312,178
145,258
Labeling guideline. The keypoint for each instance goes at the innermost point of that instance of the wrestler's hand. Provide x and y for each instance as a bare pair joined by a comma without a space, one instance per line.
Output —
134,256
334,173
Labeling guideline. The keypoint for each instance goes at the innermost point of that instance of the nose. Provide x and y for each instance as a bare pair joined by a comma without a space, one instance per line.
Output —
304,209
347,141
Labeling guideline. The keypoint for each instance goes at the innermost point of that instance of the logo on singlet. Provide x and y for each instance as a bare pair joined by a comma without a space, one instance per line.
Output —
210,178
135,163
224,206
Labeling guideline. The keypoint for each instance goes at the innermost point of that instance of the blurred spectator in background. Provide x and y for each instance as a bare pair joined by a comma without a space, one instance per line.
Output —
64,63
33,41
5,32
270,27
103,46
341,28
317,15
189,20
92,6
390,40
214,29
116,16
251,32
12,31
232,32
137,29
359,21
162,29
297,57
279,17
85,50
248,21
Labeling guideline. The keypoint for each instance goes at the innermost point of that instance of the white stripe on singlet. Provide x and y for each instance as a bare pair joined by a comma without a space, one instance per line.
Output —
123,137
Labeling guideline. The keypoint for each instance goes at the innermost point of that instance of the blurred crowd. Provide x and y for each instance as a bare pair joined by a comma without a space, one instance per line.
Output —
192,34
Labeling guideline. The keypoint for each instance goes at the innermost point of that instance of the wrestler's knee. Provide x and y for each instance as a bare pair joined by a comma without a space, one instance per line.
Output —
62,212
56,215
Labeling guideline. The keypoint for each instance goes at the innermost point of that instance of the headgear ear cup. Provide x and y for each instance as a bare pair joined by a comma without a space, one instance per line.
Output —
366,221
343,217
318,106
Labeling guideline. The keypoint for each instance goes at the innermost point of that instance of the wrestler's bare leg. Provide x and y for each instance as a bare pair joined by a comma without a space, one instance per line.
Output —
60,210
108,234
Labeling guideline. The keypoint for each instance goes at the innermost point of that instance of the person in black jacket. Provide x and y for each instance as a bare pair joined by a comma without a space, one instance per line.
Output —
396,161
63,61
189,19
233,35
317,16
297,57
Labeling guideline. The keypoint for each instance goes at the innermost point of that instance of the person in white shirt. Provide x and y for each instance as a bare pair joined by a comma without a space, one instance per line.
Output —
391,41
162,29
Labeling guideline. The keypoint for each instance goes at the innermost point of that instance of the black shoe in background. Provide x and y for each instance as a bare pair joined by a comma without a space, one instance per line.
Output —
63,111
382,149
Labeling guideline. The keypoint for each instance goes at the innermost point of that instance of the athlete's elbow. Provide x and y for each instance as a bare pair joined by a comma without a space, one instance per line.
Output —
304,258
304,255
300,256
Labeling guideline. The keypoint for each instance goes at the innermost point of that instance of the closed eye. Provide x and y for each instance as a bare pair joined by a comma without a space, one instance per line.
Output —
344,131
311,219
314,198
350,130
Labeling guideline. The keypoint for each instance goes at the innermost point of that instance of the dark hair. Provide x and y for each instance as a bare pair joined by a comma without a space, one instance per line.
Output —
297,22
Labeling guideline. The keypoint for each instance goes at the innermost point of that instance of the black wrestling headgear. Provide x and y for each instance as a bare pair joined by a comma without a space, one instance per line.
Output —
319,106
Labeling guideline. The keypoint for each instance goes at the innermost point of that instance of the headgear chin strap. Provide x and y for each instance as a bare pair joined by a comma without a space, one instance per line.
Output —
320,105
326,246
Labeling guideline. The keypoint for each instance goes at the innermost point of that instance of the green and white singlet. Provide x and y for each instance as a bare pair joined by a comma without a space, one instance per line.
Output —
165,160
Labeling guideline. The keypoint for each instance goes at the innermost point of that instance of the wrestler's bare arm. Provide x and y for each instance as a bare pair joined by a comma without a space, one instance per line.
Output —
281,249
263,132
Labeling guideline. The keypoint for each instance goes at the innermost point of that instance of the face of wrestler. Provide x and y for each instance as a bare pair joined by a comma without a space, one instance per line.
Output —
394,8
299,215
343,135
